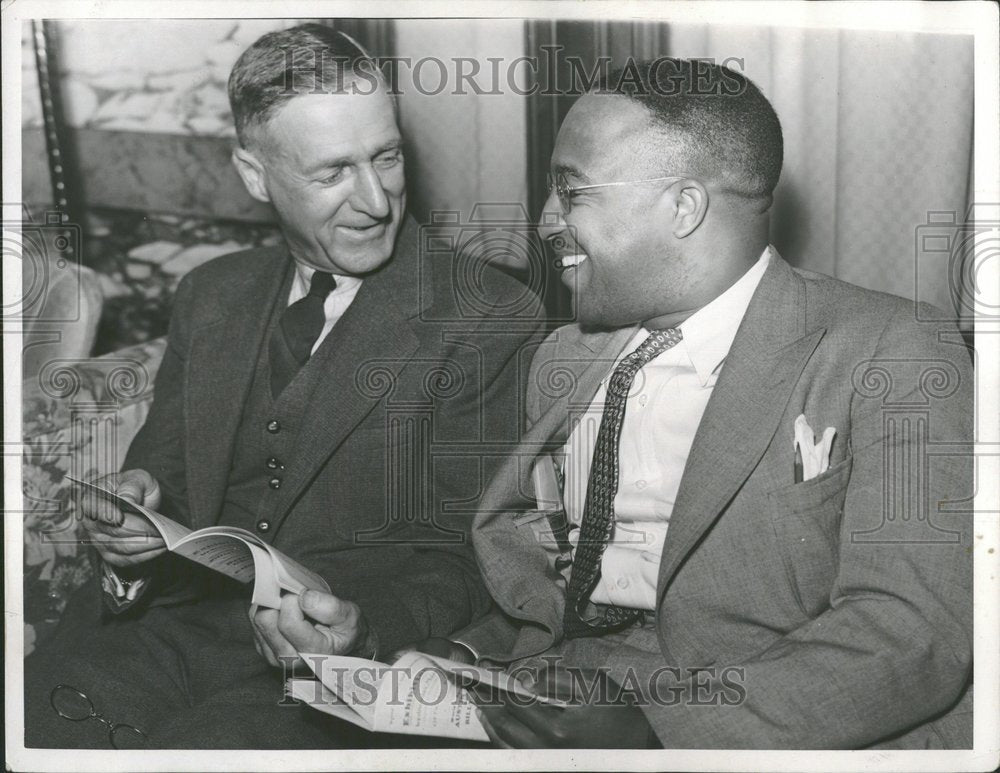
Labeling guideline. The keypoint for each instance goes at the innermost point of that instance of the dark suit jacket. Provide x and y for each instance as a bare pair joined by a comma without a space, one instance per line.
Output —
399,438
845,602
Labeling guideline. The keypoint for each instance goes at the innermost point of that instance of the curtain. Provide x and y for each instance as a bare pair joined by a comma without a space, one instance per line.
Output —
463,148
878,147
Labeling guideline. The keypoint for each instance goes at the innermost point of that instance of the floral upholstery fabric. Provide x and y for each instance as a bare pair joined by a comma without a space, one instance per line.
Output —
79,417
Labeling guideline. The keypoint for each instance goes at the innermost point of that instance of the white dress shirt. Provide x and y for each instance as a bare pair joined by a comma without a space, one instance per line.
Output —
662,413
336,302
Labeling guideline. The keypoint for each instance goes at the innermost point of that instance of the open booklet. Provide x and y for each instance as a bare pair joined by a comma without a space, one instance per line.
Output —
418,694
234,552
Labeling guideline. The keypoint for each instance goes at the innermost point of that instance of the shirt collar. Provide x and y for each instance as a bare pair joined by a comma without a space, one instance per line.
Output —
303,276
709,332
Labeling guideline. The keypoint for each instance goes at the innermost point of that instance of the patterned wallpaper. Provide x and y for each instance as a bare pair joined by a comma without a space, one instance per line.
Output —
168,77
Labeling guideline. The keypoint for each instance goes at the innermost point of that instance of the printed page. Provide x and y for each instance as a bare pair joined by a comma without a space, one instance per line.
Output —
355,681
317,696
218,551
231,557
418,698
419,694
275,574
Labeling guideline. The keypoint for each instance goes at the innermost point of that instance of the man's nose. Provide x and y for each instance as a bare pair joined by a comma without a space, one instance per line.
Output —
369,194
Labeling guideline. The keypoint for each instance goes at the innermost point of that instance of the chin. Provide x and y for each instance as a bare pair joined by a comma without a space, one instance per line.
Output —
355,261
603,316
596,321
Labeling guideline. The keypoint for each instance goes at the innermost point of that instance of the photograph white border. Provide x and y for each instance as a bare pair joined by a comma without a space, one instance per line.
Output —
979,19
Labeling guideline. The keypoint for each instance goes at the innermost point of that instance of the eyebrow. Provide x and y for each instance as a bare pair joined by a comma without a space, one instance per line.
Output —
570,171
335,163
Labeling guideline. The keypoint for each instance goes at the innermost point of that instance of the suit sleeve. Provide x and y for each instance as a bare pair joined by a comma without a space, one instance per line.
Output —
496,631
158,448
894,647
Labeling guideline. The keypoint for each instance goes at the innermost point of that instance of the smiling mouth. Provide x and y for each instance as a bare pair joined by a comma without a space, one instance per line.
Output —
570,261
365,230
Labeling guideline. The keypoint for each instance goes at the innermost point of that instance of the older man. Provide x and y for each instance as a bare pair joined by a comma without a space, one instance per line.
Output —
774,541
303,394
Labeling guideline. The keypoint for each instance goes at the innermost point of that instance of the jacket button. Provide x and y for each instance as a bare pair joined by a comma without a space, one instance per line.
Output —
274,483
263,526
274,426
274,464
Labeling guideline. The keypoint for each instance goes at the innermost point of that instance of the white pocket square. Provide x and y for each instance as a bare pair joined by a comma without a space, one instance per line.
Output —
815,456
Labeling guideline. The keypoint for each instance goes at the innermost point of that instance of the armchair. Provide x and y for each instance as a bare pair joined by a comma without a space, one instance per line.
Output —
79,417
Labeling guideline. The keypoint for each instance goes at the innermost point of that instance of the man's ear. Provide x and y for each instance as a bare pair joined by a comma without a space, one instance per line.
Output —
251,172
691,206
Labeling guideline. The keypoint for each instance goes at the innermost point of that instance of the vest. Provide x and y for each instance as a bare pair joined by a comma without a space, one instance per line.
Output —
267,436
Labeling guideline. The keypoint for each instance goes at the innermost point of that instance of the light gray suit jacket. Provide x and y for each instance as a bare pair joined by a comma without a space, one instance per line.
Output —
841,606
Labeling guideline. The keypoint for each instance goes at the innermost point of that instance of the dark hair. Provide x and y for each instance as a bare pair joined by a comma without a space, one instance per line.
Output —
717,118
307,59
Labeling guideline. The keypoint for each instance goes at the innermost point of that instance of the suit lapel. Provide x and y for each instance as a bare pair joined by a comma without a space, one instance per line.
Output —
224,354
768,354
588,358
369,346
372,343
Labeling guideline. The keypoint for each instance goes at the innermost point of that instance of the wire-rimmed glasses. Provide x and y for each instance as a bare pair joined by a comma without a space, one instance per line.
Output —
564,191
74,705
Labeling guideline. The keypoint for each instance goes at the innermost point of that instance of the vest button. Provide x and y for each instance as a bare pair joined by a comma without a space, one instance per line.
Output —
274,464
274,426
263,526
274,483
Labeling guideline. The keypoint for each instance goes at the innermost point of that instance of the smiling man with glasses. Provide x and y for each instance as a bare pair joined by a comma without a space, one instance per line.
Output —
709,548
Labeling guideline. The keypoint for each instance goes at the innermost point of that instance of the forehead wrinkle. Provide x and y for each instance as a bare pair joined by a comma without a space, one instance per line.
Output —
347,142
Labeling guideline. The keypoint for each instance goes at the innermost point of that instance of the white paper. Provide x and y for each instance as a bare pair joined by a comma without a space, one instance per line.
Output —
413,696
231,551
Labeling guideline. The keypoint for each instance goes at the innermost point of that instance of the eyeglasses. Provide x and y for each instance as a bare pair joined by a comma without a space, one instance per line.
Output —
564,191
69,703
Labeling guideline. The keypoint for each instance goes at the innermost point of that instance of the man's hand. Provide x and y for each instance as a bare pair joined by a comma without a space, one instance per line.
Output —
311,622
605,721
123,539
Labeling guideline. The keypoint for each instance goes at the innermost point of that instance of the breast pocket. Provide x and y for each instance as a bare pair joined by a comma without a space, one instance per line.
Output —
806,519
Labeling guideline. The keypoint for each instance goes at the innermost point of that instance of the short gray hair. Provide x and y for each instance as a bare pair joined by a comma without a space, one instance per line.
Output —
307,59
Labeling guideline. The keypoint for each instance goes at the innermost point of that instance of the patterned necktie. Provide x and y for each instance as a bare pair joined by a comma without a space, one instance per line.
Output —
296,333
599,508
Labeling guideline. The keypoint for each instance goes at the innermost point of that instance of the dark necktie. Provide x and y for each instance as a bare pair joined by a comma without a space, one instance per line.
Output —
297,331
599,507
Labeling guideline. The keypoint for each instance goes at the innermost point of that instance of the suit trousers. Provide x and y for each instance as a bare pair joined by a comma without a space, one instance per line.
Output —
186,675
